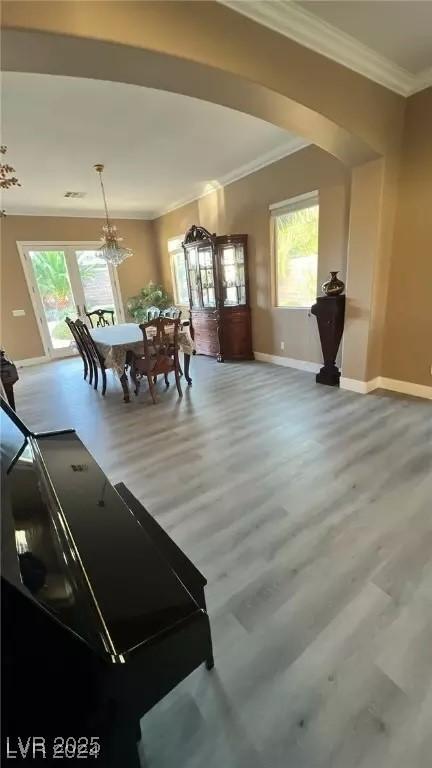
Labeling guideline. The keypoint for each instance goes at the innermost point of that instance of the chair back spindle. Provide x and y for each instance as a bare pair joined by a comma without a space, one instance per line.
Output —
93,354
80,346
102,317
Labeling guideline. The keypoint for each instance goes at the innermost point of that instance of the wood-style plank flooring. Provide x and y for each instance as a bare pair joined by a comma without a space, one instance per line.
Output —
309,510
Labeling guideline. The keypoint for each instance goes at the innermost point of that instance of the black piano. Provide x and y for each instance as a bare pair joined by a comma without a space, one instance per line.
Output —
102,614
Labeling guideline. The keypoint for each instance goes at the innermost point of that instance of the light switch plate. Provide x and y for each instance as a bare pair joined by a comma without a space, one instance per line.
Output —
18,312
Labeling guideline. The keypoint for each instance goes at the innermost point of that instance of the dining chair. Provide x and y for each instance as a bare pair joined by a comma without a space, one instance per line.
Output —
88,368
152,313
160,337
100,319
95,357
172,312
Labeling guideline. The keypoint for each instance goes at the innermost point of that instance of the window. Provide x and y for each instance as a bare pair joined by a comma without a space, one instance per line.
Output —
295,246
178,269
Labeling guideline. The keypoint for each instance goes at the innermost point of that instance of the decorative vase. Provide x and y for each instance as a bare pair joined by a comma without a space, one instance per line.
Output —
334,286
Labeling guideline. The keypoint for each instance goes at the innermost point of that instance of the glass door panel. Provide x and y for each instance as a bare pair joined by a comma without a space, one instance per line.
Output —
65,280
206,276
192,263
205,257
233,275
56,299
96,280
241,280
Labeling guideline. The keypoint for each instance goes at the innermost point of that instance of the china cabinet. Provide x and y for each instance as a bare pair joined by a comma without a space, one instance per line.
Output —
217,275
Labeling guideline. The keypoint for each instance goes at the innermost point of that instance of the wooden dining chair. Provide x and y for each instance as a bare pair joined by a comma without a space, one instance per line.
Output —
100,319
94,356
88,368
160,337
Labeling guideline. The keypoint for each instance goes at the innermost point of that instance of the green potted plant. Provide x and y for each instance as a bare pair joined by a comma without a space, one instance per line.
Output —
151,296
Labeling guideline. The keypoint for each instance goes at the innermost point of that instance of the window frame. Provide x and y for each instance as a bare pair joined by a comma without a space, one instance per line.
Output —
174,249
297,203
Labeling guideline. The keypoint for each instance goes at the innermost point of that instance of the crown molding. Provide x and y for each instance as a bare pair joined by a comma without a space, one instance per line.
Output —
294,145
424,80
309,30
61,213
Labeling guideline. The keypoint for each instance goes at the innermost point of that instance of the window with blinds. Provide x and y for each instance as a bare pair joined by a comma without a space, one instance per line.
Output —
295,250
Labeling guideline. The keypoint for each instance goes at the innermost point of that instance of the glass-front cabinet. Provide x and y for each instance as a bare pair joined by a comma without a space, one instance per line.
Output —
217,275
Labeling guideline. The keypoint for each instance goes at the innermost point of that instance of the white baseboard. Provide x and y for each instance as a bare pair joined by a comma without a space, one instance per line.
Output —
381,382
361,387
288,362
406,387
31,361
353,385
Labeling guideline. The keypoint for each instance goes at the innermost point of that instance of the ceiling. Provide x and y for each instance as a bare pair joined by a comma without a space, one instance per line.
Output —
388,41
401,31
159,149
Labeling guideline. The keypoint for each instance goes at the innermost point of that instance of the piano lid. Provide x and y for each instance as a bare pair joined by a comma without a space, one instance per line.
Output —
36,557
112,573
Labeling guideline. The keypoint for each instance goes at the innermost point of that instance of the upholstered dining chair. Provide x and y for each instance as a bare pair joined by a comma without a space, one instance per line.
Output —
160,337
173,312
101,317
95,357
88,368
151,313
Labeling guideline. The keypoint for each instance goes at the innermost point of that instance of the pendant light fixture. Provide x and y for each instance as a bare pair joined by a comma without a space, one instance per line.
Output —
110,250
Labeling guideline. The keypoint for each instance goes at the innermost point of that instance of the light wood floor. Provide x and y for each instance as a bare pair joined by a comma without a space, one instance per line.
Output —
309,510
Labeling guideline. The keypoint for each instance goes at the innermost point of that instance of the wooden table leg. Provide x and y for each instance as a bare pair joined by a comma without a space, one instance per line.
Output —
8,388
125,386
186,363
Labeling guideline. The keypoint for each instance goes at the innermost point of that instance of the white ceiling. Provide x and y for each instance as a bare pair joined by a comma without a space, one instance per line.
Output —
159,149
386,40
401,30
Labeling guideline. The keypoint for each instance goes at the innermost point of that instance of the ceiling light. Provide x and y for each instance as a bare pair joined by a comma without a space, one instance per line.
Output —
110,249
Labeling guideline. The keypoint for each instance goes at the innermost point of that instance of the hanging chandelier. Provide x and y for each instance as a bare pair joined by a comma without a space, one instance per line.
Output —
110,250
6,180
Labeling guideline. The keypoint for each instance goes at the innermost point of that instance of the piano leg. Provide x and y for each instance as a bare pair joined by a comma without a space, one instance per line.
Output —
209,662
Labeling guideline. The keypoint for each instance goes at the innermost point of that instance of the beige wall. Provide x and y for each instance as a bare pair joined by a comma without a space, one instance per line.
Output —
177,46
244,207
407,350
364,222
20,335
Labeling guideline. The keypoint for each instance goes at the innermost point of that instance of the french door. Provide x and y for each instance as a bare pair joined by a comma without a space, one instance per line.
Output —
67,280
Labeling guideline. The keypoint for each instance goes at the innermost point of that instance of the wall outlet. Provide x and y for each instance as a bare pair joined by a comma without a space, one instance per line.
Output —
282,345
18,312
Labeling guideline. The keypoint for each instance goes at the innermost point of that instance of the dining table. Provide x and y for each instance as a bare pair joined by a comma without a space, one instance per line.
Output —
116,342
